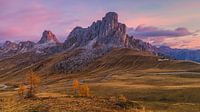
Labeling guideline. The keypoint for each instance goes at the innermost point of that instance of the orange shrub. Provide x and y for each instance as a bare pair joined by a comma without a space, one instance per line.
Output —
21,90
122,98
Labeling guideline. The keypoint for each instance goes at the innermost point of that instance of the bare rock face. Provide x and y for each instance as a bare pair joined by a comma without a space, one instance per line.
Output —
140,45
105,32
8,45
26,46
48,44
80,60
8,49
48,37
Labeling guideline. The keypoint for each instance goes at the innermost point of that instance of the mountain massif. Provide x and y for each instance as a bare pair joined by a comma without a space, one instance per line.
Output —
85,48
103,34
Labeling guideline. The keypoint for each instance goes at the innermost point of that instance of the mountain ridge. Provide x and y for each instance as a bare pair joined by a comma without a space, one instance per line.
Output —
48,37
108,32
180,54
104,34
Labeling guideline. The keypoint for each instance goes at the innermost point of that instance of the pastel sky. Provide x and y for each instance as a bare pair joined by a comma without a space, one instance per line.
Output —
175,23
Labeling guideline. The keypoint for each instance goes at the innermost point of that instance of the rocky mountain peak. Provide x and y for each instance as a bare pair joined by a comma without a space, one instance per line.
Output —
106,32
8,45
112,15
48,37
111,19
25,46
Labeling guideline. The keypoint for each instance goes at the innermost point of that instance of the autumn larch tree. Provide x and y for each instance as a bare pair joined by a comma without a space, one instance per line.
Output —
33,81
75,86
84,90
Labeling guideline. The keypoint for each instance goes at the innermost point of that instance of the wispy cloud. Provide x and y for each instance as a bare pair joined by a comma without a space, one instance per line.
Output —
142,31
178,38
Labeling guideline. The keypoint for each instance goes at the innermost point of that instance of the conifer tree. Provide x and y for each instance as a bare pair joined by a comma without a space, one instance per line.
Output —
75,86
33,80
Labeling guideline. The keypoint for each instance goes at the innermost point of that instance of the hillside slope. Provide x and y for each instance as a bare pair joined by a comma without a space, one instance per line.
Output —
137,60
15,68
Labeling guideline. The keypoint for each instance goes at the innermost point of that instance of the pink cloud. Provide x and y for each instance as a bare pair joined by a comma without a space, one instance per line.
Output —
185,42
177,38
143,32
27,22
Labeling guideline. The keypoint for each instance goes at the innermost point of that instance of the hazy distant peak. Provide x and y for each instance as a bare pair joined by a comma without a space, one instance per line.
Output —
48,37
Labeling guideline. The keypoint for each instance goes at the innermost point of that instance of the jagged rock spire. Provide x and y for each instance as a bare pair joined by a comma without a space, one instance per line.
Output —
105,32
48,37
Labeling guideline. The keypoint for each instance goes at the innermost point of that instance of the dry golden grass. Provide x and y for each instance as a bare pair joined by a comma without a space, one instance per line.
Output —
51,102
132,73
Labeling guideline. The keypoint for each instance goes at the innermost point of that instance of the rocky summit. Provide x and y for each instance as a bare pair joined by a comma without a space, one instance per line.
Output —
104,35
25,46
8,45
97,40
47,44
107,33
48,37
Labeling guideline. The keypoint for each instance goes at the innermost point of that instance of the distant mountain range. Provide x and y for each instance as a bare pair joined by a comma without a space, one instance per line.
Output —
180,54
99,38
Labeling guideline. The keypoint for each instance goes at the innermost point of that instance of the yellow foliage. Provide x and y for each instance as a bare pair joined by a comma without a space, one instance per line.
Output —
33,80
80,90
21,90
75,86
122,98
84,90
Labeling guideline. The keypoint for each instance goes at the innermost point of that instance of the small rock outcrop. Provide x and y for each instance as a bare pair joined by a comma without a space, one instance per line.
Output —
140,45
8,45
26,46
